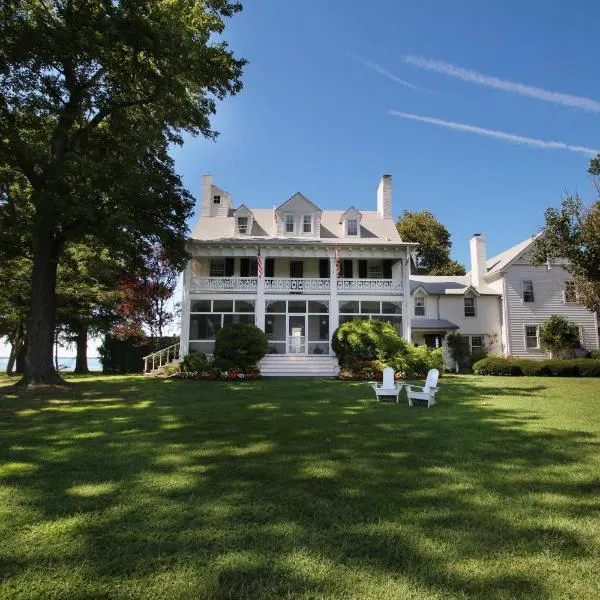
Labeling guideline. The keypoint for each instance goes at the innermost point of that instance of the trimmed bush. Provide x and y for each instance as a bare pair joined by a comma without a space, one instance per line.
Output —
575,367
171,369
595,354
364,339
195,362
241,343
223,364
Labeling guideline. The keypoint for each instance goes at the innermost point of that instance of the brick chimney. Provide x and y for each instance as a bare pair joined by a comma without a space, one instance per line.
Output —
384,197
478,259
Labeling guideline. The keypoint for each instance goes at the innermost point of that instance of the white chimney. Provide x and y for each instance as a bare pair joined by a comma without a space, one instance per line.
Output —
478,259
206,199
384,197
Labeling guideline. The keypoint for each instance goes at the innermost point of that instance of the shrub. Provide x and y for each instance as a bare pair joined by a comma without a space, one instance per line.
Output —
195,362
536,368
588,368
241,343
459,348
563,368
595,354
223,364
496,365
558,334
367,340
171,369
583,367
418,360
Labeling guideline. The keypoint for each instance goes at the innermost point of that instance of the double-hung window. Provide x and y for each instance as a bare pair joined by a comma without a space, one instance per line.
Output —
352,227
307,223
531,337
528,295
419,306
217,267
216,199
470,307
476,343
242,223
289,223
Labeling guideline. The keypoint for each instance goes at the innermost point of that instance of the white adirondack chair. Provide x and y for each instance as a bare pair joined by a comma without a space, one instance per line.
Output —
388,386
425,393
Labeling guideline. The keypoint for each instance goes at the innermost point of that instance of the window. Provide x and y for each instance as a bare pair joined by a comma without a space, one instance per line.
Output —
352,227
476,343
470,308
569,292
289,223
307,224
531,336
528,295
217,268
374,272
419,306
216,199
242,225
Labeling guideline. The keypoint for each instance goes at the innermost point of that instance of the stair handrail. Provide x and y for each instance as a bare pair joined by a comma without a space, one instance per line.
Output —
172,353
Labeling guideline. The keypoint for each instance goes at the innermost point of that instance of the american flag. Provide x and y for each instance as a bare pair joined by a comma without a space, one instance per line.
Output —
259,264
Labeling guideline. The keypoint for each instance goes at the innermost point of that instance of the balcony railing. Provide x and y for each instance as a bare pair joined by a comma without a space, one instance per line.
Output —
276,285
290,285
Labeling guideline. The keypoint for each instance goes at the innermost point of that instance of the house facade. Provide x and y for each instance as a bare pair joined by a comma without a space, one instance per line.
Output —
297,272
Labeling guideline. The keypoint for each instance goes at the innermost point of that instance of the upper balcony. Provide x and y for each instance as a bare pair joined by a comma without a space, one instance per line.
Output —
291,285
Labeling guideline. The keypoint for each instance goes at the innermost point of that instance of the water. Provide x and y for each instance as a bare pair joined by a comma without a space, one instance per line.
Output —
65,363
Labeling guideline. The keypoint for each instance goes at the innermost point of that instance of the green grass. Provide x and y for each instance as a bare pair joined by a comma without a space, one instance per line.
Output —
126,487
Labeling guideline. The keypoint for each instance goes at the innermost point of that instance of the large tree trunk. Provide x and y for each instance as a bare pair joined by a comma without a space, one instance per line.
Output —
40,331
21,359
81,365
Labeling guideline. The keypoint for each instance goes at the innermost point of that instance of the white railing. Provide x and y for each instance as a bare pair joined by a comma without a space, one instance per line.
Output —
275,285
369,286
163,357
223,284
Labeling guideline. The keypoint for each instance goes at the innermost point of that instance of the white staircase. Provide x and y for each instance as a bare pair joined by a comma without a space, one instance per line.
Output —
275,365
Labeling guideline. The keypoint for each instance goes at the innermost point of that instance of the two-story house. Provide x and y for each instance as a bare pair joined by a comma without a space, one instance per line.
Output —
297,272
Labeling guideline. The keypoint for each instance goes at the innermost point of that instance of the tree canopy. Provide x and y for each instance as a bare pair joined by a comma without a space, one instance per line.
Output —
433,253
91,96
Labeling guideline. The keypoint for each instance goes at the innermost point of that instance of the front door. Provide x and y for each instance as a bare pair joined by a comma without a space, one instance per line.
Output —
296,342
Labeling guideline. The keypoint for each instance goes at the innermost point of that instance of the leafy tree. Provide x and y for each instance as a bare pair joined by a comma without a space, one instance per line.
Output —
557,334
459,348
91,96
433,253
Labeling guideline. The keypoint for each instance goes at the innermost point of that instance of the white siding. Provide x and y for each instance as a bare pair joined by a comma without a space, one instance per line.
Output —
548,293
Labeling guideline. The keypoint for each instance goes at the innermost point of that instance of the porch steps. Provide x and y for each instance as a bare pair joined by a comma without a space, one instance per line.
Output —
299,366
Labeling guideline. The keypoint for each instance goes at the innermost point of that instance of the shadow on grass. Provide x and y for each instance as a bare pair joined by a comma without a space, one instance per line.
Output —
279,489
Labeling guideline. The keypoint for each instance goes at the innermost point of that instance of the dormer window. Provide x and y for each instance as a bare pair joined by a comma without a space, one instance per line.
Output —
242,223
216,199
289,223
307,223
352,227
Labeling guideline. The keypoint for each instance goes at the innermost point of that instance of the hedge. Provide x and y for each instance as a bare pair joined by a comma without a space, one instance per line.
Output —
575,367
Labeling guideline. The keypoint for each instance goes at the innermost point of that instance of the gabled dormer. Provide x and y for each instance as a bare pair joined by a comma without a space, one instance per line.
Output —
215,201
350,223
244,219
298,217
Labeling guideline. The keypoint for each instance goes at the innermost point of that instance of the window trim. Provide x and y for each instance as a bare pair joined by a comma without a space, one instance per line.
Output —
537,336
523,282
474,307
420,297
285,223
311,223
216,261
348,234
479,348
246,227
217,199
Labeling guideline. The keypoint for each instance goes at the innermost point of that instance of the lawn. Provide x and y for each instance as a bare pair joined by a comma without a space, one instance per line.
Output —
126,487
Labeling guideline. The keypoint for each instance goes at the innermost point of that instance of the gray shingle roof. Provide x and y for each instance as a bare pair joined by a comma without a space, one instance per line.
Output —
432,324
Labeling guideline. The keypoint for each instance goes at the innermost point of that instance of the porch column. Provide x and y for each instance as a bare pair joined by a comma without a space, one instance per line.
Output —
334,312
184,334
407,299
259,309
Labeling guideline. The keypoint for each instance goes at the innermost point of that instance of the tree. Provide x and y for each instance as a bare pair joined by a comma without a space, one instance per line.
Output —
433,253
557,334
91,96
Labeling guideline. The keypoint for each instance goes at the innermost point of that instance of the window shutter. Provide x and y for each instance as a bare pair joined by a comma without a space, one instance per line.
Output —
347,269
387,269
324,268
229,265
244,267
362,269
269,267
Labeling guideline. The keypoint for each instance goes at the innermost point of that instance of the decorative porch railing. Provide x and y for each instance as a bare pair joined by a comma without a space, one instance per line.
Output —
163,357
223,284
369,286
275,285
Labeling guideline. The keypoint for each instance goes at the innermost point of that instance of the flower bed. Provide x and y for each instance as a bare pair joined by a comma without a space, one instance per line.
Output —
218,375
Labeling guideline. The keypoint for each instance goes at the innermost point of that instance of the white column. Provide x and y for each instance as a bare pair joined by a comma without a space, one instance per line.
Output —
407,303
260,300
334,312
184,335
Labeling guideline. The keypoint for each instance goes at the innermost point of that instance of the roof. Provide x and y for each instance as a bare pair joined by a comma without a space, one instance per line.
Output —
441,284
501,261
432,324
373,229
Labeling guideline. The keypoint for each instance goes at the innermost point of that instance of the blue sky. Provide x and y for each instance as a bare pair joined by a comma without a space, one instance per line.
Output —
315,117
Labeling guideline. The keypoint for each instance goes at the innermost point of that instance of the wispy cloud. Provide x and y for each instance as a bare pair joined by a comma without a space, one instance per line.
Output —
502,84
378,69
499,135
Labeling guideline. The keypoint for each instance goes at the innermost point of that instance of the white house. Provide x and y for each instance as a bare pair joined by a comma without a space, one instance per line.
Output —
297,272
